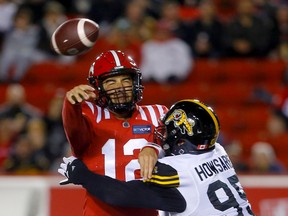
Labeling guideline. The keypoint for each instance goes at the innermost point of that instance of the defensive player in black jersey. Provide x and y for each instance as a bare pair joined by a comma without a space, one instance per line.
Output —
195,178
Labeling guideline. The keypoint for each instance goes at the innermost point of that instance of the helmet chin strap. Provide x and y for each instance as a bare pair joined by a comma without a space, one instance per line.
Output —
122,112
121,109
183,146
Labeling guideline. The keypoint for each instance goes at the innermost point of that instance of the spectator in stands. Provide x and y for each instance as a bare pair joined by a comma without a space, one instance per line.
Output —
246,35
7,12
66,152
136,15
43,132
37,6
264,160
235,152
165,58
99,12
282,23
15,113
54,15
17,109
279,105
267,11
121,37
226,9
170,13
6,138
23,158
20,156
282,19
77,8
277,122
18,47
56,141
36,133
206,32
126,33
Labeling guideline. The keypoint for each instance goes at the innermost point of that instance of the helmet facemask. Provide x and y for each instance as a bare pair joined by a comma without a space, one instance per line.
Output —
120,100
172,141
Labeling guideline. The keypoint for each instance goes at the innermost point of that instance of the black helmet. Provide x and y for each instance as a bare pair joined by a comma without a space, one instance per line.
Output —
188,126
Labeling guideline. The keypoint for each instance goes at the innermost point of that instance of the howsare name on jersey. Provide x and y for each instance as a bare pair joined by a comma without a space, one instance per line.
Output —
212,167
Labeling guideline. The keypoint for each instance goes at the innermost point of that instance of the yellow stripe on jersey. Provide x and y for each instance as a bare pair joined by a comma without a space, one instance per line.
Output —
165,177
166,181
174,183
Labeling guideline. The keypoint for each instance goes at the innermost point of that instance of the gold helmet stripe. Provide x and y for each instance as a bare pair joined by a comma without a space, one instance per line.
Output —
208,109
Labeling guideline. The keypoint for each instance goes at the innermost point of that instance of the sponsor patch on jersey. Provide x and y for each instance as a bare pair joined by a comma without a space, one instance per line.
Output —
141,129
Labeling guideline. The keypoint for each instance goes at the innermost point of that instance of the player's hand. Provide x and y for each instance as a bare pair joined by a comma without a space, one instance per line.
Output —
80,93
147,160
73,169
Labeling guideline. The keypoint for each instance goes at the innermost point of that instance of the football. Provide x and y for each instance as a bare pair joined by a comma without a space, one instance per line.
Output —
75,36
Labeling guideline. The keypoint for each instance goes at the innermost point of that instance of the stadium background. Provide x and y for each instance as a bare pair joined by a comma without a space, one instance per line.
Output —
227,84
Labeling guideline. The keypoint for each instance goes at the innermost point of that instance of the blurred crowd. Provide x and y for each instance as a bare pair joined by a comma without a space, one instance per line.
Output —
163,36
31,141
145,29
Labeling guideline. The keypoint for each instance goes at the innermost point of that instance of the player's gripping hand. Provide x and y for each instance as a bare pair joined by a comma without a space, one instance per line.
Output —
147,159
80,93
74,170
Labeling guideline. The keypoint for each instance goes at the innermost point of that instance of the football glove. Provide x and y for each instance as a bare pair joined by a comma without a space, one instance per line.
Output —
74,170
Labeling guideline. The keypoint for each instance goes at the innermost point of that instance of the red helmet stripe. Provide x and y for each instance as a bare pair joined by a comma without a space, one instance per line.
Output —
116,58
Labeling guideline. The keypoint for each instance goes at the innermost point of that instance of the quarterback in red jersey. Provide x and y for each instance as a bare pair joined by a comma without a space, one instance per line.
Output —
108,130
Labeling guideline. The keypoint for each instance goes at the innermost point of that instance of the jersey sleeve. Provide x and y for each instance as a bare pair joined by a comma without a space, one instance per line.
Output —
77,127
158,148
165,176
135,193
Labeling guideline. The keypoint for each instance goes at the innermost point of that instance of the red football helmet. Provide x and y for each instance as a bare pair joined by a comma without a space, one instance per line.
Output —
114,63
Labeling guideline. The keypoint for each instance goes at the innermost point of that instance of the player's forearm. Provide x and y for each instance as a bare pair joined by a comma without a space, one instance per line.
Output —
71,114
158,149
110,191
76,128
119,193
133,193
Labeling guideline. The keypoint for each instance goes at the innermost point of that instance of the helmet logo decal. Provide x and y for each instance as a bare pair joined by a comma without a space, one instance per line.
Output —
181,121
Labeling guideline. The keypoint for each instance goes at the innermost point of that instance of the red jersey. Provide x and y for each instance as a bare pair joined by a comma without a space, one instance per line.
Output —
110,146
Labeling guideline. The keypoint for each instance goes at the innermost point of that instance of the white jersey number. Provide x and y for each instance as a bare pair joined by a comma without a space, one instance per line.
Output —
109,152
